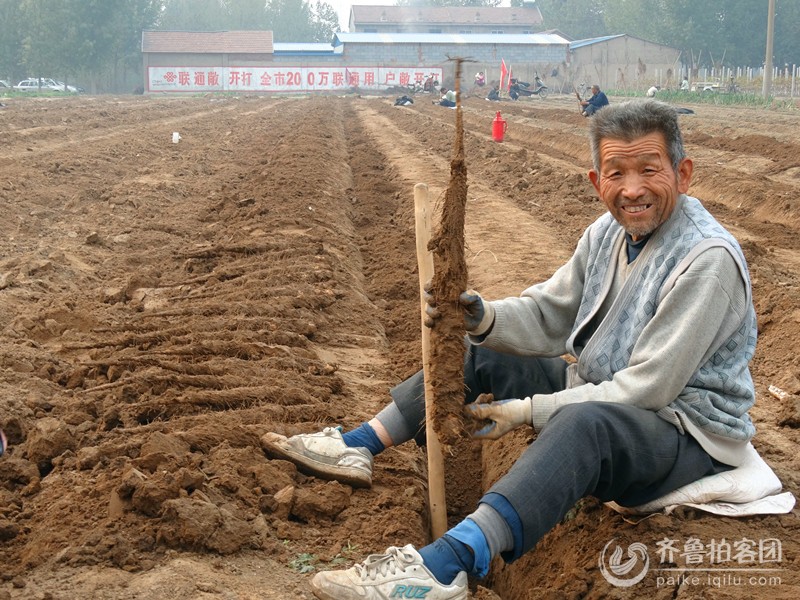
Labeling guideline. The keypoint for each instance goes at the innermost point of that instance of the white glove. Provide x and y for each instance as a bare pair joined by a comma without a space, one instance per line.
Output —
504,415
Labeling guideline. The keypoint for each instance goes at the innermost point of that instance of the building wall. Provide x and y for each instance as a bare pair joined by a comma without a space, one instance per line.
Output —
625,64
442,28
523,60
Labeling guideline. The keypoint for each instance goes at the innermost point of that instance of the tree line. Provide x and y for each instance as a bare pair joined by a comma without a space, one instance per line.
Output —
708,32
98,42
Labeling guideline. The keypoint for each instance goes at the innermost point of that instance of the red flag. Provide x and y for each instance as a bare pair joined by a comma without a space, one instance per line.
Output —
510,75
503,72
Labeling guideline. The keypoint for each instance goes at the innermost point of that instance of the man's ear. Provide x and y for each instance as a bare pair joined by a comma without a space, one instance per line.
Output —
685,170
594,177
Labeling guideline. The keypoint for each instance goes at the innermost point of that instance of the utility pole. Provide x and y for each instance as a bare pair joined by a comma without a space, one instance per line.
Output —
766,88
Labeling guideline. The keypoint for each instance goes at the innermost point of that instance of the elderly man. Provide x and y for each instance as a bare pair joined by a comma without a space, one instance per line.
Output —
654,306
595,102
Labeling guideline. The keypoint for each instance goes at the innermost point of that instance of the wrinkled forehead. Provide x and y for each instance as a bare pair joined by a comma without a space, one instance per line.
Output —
651,145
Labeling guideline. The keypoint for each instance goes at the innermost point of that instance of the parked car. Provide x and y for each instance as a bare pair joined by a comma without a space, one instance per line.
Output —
45,84
70,88
5,86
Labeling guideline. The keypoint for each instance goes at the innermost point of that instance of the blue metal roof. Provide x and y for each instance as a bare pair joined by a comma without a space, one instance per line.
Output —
590,41
449,38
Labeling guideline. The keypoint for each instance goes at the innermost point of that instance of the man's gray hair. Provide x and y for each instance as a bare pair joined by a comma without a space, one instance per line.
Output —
630,120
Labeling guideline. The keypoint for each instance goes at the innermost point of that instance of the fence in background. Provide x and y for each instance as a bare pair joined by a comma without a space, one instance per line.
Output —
746,79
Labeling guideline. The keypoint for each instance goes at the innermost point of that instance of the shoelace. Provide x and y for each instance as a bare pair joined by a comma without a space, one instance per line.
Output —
381,564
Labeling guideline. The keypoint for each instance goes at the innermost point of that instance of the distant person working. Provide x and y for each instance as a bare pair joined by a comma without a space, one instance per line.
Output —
448,98
595,102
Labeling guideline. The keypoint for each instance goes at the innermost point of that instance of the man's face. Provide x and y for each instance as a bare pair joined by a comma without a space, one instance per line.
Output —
637,183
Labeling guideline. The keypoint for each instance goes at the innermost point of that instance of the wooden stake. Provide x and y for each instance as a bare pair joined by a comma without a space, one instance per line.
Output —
436,494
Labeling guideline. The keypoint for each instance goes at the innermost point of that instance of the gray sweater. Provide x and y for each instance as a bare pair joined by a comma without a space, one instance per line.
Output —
686,312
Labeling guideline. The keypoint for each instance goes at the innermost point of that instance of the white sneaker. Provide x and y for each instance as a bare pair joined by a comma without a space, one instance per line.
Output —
399,573
323,455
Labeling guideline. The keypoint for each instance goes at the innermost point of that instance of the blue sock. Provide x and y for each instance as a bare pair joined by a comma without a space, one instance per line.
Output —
472,537
364,437
446,558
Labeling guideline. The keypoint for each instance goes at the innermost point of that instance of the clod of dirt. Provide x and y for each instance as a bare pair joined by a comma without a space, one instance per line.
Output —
48,439
201,525
790,412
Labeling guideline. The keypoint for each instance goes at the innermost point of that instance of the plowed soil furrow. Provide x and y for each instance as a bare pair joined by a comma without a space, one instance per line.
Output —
162,306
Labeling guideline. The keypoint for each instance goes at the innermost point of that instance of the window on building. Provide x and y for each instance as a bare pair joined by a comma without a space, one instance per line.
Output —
497,31
465,31
370,30
435,30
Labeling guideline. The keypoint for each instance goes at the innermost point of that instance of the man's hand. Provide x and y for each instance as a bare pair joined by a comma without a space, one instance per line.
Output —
504,415
431,312
478,315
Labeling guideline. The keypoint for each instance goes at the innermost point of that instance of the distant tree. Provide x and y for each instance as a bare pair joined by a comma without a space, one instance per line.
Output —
43,50
246,14
290,20
729,32
11,35
326,21
787,32
299,21
104,36
127,23
578,19
93,38
194,15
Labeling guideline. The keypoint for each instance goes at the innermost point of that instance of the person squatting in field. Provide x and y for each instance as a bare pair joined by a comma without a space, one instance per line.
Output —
595,102
448,98
655,306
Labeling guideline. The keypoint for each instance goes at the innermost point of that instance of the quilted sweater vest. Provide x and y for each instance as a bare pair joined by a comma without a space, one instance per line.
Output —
719,394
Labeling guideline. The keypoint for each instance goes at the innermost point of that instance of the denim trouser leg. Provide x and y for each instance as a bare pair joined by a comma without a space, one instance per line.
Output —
610,451
485,372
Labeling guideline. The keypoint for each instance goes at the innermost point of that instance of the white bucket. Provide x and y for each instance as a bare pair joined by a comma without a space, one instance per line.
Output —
175,137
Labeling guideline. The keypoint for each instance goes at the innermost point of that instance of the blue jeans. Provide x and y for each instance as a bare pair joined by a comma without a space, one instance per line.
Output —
609,451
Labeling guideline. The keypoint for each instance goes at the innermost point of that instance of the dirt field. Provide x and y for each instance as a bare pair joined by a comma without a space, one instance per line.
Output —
162,306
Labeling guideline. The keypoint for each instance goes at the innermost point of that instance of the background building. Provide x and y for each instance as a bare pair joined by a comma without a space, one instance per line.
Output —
453,19
248,61
623,62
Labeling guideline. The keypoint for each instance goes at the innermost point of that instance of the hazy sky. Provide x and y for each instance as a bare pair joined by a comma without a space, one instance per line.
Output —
342,7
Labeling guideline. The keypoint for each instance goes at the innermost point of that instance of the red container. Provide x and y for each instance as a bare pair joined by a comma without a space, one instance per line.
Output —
499,126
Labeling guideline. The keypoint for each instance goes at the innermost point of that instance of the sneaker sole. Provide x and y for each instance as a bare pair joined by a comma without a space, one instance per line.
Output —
273,445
